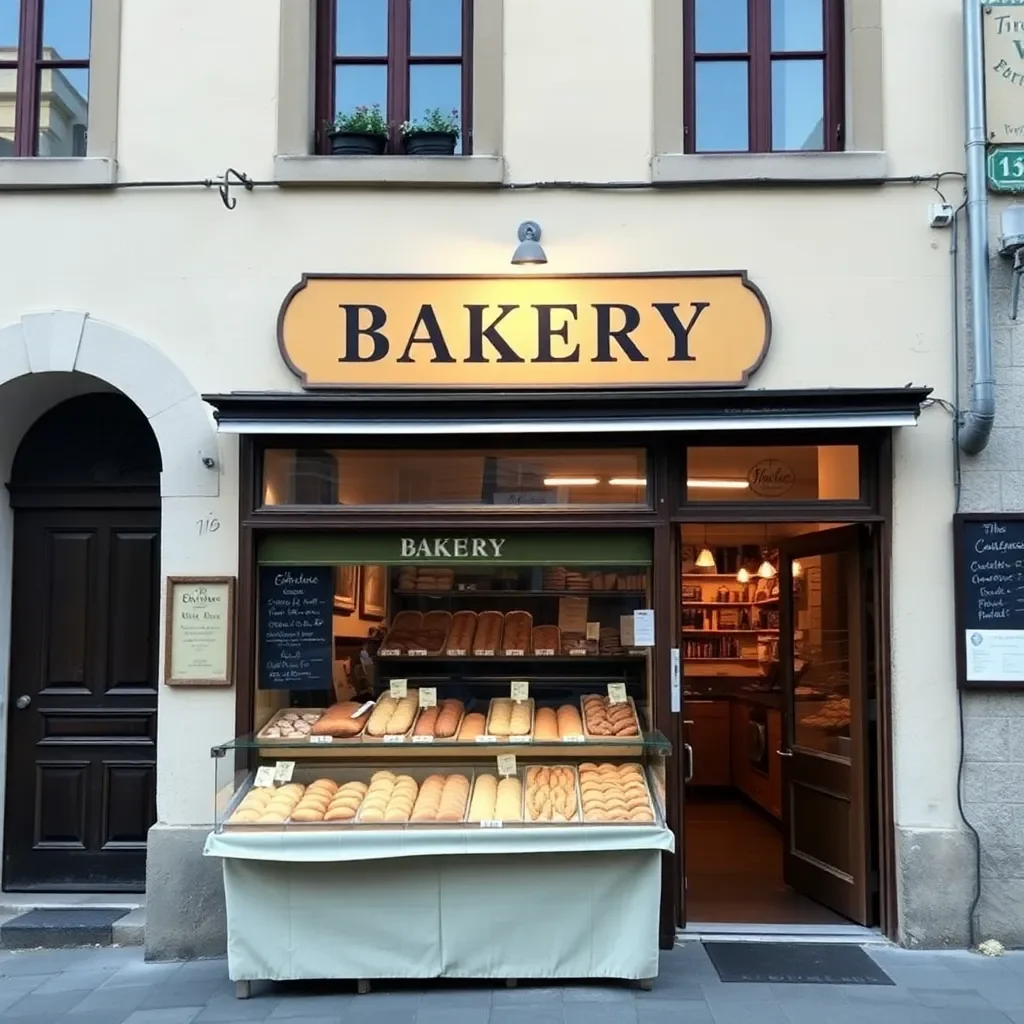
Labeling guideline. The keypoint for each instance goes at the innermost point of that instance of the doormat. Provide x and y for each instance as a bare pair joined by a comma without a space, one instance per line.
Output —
795,963
60,928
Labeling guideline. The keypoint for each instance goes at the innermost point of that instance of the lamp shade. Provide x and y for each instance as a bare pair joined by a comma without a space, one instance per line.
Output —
529,249
706,560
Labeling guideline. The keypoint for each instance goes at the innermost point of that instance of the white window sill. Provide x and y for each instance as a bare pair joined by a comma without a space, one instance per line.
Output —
389,170
678,168
57,172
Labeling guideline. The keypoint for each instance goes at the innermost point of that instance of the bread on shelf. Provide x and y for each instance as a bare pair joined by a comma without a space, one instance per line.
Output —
551,794
337,720
393,716
474,724
607,720
615,793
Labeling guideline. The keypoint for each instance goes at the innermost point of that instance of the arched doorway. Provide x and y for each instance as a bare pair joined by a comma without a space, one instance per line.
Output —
81,729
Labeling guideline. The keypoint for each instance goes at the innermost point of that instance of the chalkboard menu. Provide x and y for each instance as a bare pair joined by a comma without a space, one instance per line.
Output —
990,600
296,608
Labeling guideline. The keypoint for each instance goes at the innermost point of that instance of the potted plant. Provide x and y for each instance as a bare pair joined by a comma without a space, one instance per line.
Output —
433,134
360,132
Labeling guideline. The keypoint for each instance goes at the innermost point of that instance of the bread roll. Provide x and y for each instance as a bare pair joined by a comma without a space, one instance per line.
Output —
393,716
615,793
551,794
546,638
485,795
603,718
460,635
473,725
427,721
570,725
545,725
487,638
337,720
517,632
448,719
508,806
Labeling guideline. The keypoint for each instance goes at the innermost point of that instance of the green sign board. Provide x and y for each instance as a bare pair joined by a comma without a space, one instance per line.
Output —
476,546
1006,168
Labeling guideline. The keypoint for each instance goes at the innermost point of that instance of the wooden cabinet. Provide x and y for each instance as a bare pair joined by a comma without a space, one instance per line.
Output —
709,737
739,728
775,763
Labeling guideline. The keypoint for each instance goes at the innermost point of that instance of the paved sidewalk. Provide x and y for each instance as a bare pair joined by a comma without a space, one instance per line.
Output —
115,986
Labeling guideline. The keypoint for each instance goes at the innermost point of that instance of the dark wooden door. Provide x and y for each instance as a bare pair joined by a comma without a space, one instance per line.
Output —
83,694
823,650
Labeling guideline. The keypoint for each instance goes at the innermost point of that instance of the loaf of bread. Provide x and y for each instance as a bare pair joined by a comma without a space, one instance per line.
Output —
441,721
460,635
546,638
403,632
485,793
615,792
487,639
315,801
267,806
345,803
509,717
570,725
517,632
433,632
389,799
545,725
441,798
473,725
509,803
337,720
551,794
393,716
603,718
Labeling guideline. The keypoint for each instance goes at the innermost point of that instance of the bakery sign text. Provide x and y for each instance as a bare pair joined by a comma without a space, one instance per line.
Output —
641,330
452,547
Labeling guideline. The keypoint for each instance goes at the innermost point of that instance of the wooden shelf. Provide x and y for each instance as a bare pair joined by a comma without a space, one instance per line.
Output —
488,594
356,750
730,604
744,631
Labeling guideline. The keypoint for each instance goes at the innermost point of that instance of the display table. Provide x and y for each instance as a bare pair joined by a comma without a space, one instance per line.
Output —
559,902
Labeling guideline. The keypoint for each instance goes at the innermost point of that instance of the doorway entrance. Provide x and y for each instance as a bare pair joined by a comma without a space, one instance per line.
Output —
82,699
778,649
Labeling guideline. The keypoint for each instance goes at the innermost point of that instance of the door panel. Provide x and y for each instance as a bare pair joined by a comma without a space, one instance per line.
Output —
822,650
81,751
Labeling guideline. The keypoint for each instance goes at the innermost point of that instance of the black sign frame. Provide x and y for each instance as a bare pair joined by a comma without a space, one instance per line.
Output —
961,569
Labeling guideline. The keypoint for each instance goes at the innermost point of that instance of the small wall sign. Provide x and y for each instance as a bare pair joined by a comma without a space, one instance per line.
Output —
770,478
1003,22
200,631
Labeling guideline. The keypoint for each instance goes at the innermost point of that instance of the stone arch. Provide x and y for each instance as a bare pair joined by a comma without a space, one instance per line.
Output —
70,342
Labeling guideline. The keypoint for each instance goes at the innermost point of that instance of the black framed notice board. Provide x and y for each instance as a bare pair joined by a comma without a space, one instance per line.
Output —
989,594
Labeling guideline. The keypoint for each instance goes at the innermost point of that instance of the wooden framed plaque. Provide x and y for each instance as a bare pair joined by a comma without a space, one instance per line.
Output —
200,631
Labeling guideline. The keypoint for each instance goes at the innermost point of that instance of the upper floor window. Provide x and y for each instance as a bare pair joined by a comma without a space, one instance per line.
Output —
408,57
763,76
44,77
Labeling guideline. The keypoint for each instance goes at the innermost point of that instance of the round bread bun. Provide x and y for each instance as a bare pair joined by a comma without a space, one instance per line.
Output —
371,814
382,775
244,817
307,814
340,814
272,818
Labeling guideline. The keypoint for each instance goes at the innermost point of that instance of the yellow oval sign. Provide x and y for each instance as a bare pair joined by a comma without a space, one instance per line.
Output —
642,330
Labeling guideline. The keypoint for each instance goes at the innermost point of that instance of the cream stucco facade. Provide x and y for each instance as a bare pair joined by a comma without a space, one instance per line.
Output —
166,295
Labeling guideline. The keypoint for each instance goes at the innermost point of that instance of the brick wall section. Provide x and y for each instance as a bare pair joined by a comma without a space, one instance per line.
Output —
993,789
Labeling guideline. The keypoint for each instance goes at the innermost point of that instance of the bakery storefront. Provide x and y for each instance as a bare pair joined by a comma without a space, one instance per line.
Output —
553,636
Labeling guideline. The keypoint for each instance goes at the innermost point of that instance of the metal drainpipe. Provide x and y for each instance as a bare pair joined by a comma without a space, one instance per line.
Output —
976,427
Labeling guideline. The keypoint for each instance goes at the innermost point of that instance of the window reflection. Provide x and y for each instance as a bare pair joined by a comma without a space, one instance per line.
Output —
490,478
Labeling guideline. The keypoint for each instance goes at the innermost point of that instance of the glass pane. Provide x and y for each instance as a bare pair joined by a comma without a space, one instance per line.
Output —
63,111
789,473
720,26
359,84
361,28
66,25
8,89
721,99
448,478
822,655
436,28
798,104
797,25
9,29
435,85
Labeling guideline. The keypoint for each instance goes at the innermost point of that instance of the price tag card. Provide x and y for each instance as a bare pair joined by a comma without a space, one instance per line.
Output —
491,823
520,739
423,739
283,771
394,739
515,654
577,651
484,654
506,764
487,739
362,711
428,696
643,627
417,652
520,690
616,693
389,652
574,739
544,652
593,630
456,653
399,688
264,776
321,739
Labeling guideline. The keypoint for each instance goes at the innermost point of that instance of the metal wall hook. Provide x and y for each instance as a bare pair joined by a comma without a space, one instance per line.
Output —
225,182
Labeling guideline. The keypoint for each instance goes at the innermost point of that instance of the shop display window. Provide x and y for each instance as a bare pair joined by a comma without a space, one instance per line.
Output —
467,679
459,478
779,473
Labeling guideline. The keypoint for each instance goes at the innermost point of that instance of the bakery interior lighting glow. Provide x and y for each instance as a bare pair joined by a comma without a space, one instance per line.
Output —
743,576
628,481
766,570
798,569
571,481
723,485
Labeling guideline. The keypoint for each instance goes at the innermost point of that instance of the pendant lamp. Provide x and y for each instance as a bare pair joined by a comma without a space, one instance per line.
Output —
798,569
705,559
743,576
765,570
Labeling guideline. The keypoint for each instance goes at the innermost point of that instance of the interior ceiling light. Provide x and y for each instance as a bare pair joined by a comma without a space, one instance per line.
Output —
765,570
628,481
705,559
743,576
798,569
529,249
726,485
570,481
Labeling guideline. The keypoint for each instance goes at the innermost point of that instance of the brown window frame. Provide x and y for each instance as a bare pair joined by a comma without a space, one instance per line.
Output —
398,61
759,57
28,66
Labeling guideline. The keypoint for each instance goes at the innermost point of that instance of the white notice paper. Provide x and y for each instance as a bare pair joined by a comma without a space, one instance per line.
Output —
520,690
428,696
643,627
994,655
572,614
283,771
399,688
264,776
506,764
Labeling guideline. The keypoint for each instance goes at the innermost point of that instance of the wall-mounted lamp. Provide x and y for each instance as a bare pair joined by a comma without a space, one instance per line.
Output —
529,249
1011,245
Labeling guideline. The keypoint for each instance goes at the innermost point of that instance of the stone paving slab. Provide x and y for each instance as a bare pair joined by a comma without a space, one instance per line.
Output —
115,986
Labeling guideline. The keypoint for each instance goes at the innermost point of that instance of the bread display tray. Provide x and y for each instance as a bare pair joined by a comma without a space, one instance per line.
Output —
526,738
278,715
576,789
655,817
617,740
